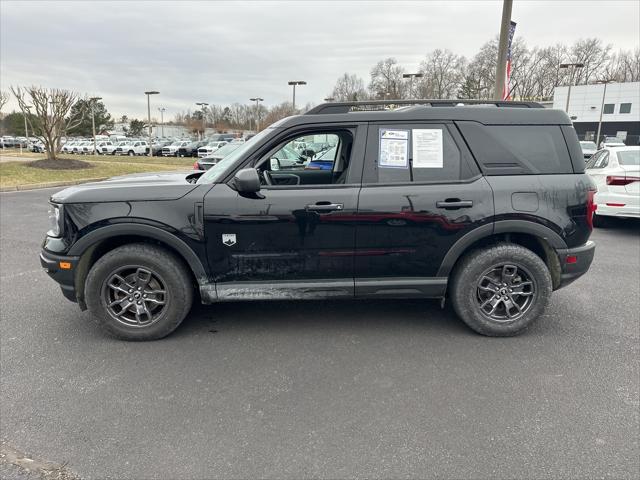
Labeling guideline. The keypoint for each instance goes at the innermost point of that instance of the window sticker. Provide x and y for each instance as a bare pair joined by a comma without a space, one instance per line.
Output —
394,148
427,148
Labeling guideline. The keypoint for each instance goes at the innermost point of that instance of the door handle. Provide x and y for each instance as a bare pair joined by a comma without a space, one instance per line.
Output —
454,203
325,207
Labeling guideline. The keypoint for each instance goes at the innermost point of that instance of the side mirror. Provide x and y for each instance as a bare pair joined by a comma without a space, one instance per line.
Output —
247,181
274,164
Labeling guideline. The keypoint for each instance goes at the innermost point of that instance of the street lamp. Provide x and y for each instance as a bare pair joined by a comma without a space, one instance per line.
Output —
148,94
604,93
203,106
573,67
161,110
92,102
257,100
412,76
294,83
26,128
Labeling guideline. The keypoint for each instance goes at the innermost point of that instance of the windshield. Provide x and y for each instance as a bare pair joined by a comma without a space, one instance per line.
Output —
219,170
588,145
629,158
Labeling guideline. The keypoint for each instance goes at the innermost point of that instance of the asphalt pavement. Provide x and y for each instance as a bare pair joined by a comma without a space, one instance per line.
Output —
331,389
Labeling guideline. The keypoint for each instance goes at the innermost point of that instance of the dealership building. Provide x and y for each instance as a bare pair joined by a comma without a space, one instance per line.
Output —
620,113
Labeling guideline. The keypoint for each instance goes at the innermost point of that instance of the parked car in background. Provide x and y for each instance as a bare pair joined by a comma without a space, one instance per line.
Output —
191,150
106,147
612,142
137,147
158,145
588,148
171,150
616,173
208,149
37,146
205,163
69,146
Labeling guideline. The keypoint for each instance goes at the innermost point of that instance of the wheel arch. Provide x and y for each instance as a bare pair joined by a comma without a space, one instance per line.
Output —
102,240
538,238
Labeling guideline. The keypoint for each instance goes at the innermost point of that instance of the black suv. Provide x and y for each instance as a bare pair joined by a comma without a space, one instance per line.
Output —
485,204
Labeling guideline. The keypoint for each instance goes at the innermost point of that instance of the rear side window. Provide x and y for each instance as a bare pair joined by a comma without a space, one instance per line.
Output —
418,153
518,149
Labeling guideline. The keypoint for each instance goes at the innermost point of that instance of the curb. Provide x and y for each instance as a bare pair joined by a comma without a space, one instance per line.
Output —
37,186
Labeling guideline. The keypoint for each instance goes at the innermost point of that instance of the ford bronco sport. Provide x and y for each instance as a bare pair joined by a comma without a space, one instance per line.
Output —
485,204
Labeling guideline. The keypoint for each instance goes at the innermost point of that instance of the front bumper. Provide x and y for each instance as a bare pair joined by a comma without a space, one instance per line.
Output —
575,262
64,276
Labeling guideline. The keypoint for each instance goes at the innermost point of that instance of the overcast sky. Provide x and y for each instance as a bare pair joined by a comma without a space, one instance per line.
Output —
225,52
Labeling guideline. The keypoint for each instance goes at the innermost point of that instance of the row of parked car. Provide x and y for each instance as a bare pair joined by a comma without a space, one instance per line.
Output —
166,147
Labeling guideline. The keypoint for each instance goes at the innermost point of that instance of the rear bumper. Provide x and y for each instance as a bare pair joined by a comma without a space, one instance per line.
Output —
575,262
65,277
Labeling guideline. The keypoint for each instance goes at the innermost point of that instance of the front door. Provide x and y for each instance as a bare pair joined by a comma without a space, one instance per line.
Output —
421,193
296,238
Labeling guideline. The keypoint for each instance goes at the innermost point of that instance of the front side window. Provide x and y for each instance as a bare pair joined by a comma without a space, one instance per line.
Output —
608,108
315,158
625,108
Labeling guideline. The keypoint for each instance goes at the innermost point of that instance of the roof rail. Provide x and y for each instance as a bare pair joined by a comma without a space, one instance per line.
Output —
346,107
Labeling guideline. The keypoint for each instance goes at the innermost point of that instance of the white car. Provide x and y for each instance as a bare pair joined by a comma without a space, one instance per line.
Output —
210,147
134,147
616,173
588,148
172,150
105,147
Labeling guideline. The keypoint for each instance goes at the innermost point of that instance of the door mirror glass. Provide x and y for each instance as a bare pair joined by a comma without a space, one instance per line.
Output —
247,180
275,164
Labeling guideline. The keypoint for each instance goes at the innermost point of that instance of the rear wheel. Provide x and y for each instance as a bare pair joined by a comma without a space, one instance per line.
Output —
501,290
139,292
131,153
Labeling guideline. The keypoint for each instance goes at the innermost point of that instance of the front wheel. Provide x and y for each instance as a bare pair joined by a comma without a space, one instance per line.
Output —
501,290
139,292
131,153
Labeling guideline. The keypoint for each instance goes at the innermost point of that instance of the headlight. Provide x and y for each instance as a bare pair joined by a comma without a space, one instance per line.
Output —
54,221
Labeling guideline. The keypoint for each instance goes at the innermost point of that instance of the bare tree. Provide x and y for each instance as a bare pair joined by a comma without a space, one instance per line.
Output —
349,88
50,115
442,75
386,80
4,98
593,55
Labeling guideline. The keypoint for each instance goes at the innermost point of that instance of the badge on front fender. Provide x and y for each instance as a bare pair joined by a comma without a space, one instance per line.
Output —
229,239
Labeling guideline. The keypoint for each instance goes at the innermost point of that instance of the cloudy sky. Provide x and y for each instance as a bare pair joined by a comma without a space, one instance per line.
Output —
224,52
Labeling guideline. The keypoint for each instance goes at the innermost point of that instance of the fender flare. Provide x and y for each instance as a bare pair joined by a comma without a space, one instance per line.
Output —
148,231
502,226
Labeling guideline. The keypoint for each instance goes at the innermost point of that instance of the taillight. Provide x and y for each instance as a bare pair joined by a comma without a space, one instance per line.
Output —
621,181
591,208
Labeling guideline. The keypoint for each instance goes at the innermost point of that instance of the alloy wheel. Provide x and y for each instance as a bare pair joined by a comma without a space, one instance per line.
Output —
505,292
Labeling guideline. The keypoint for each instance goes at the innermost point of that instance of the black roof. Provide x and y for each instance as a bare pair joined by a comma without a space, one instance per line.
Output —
487,112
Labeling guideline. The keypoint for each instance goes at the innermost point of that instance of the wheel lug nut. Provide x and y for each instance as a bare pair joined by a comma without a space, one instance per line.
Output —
130,290
139,303
131,299
144,296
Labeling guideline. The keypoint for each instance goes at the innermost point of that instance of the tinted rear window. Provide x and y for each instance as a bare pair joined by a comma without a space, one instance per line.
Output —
518,149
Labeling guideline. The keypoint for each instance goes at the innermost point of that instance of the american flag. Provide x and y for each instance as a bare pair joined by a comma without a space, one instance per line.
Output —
505,90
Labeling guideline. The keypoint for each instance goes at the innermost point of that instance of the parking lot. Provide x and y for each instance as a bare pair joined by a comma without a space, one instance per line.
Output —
383,389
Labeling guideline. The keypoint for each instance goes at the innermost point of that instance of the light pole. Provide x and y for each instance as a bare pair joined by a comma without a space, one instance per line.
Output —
93,101
161,110
604,93
257,100
148,94
503,45
573,67
203,106
330,99
294,83
412,76
26,128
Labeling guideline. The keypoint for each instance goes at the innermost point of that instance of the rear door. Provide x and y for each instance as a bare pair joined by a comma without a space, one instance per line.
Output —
421,192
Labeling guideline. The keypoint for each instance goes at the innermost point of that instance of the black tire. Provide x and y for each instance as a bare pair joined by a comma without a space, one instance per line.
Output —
475,289
131,153
167,273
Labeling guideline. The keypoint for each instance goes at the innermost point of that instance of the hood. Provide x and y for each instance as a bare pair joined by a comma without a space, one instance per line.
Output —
131,188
